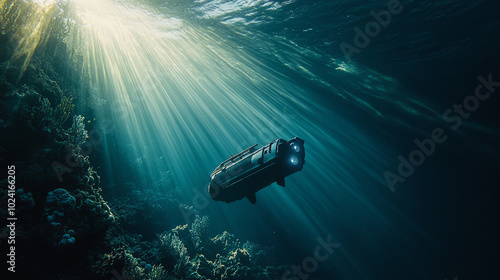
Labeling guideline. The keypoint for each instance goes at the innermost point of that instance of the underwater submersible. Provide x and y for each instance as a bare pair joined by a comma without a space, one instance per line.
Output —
244,174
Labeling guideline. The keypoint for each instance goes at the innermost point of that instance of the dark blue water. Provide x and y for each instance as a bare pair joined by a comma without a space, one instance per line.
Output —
439,218
439,223
186,84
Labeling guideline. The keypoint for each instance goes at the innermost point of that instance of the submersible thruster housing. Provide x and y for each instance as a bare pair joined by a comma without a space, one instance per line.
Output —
251,170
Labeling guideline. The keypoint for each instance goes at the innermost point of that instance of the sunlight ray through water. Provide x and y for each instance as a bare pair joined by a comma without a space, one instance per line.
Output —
174,89
185,97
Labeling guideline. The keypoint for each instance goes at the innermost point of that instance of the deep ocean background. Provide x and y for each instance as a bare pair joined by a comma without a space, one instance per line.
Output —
278,71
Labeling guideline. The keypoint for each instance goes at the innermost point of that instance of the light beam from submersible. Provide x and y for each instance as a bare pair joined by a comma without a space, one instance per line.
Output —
244,174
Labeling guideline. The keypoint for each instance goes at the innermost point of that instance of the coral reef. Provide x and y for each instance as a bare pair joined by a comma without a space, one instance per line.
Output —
121,264
198,231
66,229
145,212
62,217
44,116
77,133
221,257
85,215
66,214
185,252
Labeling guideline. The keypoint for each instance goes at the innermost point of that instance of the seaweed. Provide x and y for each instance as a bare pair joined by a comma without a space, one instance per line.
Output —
63,110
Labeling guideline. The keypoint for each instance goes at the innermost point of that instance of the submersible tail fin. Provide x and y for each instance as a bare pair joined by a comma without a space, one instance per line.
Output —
251,197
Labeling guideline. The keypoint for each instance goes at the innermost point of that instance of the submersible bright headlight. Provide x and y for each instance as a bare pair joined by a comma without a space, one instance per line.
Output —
294,160
295,147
